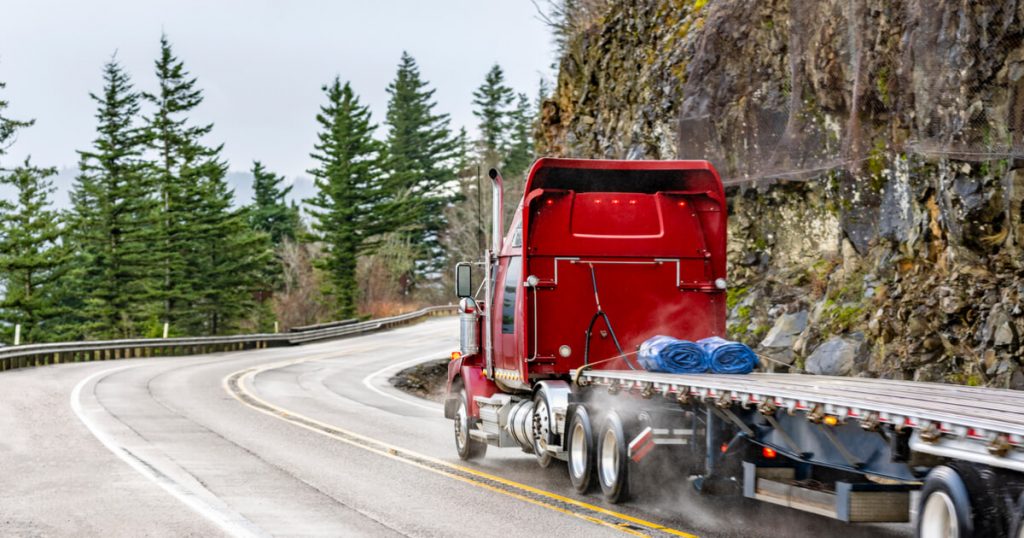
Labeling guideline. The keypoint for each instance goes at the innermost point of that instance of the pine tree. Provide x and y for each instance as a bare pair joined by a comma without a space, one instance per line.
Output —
421,155
347,177
113,219
8,127
207,263
270,211
519,152
492,101
32,257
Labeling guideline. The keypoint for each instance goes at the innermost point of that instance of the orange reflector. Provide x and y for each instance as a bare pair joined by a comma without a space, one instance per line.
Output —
769,453
831,420
456,355
725,448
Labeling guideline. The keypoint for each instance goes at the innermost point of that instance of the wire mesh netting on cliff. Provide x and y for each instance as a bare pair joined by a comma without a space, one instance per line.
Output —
852,86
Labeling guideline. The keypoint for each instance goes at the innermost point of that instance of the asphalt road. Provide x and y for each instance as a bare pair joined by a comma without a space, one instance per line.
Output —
302,441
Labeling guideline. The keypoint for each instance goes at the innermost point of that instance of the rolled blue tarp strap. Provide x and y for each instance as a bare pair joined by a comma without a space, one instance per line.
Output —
673,356
727,357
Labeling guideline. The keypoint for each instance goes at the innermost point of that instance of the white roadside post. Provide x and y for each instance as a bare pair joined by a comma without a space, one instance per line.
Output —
167,326
17,334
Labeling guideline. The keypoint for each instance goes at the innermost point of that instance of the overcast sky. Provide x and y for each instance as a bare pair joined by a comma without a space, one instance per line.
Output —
260,63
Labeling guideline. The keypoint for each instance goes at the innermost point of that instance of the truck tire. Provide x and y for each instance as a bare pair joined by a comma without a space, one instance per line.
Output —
1017,519
580,450
613,459
541,427
466,446
955,503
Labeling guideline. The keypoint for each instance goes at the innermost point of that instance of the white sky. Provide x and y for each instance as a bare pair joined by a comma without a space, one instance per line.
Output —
260,63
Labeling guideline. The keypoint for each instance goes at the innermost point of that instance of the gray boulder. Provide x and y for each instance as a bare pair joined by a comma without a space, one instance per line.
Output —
839,355
786,330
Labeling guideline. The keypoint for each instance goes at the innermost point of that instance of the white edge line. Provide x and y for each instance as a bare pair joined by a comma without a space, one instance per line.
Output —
232,524
367,381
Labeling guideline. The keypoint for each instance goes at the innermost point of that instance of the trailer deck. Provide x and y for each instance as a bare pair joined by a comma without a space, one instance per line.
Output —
977,424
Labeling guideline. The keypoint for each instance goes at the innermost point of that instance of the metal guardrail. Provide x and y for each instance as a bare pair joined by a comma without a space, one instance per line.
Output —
64,352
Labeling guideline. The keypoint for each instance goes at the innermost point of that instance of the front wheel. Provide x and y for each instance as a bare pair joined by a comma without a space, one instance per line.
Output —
467,447
613,459
581,450
541,428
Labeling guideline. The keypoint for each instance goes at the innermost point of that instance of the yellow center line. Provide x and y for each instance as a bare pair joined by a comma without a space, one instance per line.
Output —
235,384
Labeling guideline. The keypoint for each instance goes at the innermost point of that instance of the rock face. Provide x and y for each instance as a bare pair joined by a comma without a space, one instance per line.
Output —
873,153
786,330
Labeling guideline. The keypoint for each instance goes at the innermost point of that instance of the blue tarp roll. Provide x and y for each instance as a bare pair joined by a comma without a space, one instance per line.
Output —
727,357
673,356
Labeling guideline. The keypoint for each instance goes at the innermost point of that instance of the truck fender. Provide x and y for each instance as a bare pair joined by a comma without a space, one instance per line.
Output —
558,394
452,387
476,384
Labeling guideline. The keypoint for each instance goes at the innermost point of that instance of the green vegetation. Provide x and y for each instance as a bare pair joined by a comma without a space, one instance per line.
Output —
154,237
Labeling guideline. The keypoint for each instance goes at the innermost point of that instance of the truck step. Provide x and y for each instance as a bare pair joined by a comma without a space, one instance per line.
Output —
852,503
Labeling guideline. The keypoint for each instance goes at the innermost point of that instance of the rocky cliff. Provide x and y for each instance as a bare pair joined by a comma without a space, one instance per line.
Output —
871,153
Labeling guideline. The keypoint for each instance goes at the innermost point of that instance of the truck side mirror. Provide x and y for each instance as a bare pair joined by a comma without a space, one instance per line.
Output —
464,280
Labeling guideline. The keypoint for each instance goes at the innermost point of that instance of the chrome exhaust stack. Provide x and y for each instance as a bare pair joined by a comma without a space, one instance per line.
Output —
497,202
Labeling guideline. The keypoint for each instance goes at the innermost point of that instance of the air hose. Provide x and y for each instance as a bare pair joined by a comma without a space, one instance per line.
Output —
590,328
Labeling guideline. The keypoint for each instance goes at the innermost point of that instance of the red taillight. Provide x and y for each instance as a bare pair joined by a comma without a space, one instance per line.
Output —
769,453
725,448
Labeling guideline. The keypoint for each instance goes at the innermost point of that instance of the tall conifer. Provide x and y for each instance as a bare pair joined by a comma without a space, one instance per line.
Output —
113,219
207,259
347,178
270,211
32,257
421,162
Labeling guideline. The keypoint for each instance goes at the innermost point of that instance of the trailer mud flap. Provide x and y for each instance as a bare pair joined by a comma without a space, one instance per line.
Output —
641,445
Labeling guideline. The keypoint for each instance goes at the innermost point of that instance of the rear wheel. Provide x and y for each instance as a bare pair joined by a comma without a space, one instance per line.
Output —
956,502
613,459
581,452
467,447
541,428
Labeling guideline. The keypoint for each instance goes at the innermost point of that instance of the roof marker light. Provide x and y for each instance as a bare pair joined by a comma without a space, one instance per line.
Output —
616,201
682,203
632,202
550,201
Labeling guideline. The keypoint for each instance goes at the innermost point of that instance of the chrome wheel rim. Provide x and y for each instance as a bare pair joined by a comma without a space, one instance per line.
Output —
609,458
540,426
461,426
938,518
578,453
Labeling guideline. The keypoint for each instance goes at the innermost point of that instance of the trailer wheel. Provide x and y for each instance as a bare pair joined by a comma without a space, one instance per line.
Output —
613,459
1017,519
467,447
955,503
580,450
541,428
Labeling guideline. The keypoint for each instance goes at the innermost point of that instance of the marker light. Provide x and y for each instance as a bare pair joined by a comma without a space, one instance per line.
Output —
615,201
456,355
632,202
769,453
830,420
564,351
720,283
682,203
724,448
550,201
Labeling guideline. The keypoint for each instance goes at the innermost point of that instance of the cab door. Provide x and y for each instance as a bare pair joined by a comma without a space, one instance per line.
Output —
506,324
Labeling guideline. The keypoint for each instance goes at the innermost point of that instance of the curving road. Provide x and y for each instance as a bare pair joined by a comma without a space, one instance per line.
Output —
301,441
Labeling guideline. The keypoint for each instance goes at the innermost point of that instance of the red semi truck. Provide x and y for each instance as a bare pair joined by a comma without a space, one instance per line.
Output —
601,255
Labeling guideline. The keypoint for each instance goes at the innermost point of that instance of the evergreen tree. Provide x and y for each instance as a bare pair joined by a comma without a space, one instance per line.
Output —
492,101
270,212
347,178
519,152
421,155
113,218
8,127
207,263
32,257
